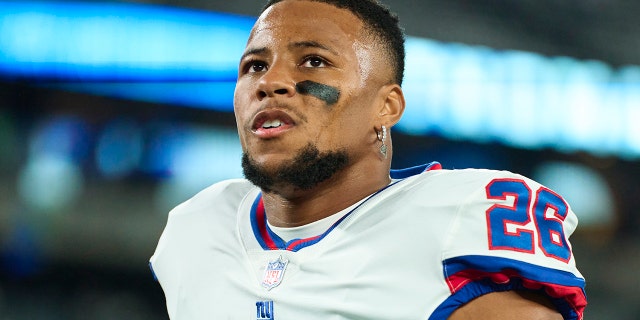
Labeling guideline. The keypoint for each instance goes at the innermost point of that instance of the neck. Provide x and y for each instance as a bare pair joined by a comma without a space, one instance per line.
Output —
287,207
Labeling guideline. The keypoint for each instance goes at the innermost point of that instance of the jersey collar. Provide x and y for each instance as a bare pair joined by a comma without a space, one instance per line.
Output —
271,241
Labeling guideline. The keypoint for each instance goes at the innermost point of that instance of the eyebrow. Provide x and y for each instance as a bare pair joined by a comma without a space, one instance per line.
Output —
253,51
312,44
294,45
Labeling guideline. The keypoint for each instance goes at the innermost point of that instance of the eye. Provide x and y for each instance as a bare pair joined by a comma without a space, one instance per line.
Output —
314,62
254,66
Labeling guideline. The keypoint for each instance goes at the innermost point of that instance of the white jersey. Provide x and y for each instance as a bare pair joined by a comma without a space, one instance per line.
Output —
417,249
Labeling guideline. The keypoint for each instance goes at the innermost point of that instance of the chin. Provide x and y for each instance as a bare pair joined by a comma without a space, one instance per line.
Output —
271,162
302,170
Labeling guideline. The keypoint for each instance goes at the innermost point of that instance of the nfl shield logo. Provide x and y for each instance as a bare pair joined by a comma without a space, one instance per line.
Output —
274,272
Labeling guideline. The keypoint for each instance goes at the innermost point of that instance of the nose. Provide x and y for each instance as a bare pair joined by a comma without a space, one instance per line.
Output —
275,81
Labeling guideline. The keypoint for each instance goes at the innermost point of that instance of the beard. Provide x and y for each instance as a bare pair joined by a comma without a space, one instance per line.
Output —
306,170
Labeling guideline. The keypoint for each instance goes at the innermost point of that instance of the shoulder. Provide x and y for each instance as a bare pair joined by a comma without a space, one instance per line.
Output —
508,232
219,195
502,213
232,188
466,176
463,191
464,184
210,213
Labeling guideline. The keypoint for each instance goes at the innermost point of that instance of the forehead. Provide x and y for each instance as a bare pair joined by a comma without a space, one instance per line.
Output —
296,20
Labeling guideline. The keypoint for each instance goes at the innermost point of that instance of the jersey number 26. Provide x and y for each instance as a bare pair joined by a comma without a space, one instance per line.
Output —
510,226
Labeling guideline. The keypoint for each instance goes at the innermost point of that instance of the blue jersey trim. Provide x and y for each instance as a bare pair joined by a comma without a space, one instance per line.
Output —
412,171
524,272
153,272
498,264
484,286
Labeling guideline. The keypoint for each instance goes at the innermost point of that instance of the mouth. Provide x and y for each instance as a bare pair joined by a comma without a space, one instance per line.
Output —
271,123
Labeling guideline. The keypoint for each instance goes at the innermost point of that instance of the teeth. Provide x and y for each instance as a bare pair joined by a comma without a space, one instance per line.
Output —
272,124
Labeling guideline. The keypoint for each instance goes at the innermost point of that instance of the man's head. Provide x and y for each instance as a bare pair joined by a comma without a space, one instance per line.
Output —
314,86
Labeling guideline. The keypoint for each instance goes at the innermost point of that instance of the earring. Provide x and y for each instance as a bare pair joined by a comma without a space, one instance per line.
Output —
382,136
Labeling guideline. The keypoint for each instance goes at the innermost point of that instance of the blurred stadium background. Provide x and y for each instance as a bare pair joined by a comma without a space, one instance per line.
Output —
111,113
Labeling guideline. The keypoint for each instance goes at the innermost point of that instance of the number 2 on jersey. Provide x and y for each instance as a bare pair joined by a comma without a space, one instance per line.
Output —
509,225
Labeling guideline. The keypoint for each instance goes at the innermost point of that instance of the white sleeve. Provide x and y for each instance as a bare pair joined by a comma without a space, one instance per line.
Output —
165,262
513,234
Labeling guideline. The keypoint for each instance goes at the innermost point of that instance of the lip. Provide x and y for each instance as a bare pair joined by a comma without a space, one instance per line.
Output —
271,114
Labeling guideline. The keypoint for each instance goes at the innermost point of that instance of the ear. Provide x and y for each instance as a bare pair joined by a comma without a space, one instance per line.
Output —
392,108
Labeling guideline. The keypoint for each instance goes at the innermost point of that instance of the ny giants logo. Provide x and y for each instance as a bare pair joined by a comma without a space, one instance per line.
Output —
264,310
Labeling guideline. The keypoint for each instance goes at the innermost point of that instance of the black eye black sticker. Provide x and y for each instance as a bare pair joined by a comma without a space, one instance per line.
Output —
328,94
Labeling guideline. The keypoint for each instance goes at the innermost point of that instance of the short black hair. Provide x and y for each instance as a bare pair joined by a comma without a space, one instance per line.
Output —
381,21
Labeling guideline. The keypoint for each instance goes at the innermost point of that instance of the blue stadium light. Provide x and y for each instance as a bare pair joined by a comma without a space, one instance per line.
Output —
119,42
521,99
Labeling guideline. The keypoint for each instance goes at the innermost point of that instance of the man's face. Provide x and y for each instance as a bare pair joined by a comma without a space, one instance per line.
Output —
308,79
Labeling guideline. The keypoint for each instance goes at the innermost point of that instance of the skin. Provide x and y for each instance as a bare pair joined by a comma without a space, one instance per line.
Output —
507,305
296,41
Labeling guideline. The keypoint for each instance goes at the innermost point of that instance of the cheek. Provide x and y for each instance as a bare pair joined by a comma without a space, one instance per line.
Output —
241,111
238,93
241,102
351,121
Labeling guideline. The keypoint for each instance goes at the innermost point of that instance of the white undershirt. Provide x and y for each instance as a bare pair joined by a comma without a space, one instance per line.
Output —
311,229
